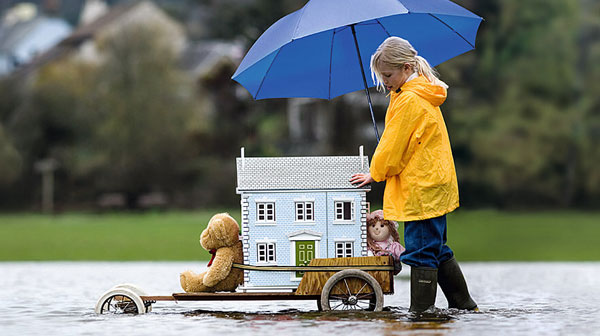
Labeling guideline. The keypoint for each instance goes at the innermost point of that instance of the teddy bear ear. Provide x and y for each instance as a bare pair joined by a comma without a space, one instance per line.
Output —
205,236
209,235
222,230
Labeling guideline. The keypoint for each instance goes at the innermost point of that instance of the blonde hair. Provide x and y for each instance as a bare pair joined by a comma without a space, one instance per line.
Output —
395,52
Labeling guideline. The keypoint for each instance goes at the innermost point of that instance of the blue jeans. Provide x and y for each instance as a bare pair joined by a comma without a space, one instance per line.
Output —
425,242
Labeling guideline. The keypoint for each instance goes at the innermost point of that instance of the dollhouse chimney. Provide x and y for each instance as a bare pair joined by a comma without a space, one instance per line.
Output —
361,152
242,156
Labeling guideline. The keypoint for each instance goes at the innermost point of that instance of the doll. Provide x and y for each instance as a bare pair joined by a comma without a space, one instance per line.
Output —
383,238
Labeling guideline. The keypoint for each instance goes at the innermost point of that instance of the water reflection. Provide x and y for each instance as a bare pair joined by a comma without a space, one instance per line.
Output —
388,314
514,298
394,317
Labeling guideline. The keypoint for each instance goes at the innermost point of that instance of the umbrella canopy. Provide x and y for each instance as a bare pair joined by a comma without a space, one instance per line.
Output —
315,51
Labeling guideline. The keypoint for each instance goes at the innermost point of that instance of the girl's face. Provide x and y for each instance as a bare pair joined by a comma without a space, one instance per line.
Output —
379,231
394,78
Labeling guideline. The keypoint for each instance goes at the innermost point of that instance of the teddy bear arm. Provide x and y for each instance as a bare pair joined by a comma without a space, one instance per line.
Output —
220,267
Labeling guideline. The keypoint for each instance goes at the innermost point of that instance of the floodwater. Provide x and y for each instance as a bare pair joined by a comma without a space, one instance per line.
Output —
58,298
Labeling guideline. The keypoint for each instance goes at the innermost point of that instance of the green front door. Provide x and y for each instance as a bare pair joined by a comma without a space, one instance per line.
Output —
305,252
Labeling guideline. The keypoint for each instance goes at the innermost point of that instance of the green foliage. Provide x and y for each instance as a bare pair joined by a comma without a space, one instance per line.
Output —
119,126
10,158
47,118
524,126
143,104
247,19
523,112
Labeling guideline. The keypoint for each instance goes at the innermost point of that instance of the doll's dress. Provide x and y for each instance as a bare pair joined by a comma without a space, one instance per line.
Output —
390,247
393,248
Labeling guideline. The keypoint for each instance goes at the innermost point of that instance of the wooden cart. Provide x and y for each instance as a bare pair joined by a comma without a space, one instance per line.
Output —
355,283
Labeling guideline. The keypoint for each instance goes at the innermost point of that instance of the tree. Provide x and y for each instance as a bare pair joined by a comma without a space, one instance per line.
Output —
10,158
519,127
143,105
247,19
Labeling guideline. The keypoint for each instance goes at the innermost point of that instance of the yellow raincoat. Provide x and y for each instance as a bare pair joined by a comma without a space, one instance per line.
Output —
414,155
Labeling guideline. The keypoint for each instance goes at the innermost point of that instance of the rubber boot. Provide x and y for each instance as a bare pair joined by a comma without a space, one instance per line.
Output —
423,287
454,286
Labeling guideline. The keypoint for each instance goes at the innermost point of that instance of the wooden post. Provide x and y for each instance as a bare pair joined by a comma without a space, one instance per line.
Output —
46,167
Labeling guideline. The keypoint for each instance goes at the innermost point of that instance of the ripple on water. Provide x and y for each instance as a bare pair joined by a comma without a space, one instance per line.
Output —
523,298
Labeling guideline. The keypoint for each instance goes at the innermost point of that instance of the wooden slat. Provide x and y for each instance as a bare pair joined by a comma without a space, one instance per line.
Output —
312,283
158,298
226,296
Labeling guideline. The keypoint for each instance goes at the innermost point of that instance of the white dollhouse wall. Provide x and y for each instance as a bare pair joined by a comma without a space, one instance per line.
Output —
295,209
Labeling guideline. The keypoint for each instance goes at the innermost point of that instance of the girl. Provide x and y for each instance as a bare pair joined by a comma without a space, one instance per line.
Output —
414,158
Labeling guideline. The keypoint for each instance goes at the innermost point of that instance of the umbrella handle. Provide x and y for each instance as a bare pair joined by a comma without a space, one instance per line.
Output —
362,72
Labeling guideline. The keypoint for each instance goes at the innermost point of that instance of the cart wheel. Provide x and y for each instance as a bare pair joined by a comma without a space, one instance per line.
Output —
352,289
131,287
120,301
137,290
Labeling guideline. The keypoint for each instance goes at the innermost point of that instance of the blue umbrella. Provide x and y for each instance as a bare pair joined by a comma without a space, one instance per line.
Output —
315,51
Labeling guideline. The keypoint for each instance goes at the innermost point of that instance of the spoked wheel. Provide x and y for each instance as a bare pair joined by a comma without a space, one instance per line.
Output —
119,304
352,290
137,290
120,301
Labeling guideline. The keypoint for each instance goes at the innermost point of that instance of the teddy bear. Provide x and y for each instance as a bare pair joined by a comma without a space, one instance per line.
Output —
220,238
383,238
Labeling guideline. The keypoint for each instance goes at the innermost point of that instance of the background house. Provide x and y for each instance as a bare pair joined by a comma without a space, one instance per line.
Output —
99,23
523,122
183,82
295,209
25,34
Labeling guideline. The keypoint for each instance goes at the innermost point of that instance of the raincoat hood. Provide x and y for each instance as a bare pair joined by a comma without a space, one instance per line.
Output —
434,94
414,156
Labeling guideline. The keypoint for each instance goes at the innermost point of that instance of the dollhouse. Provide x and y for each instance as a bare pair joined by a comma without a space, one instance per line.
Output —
295,209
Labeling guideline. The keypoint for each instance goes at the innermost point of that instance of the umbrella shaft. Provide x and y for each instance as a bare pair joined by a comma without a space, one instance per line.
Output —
362,72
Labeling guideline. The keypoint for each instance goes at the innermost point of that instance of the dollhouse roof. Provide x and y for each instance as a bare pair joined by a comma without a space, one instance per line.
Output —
299,173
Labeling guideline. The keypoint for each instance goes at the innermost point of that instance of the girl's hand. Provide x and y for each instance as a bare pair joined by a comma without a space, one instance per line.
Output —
361,179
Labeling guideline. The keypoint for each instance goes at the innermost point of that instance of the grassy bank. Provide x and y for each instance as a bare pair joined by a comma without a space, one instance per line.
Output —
474,236
535,236
149,236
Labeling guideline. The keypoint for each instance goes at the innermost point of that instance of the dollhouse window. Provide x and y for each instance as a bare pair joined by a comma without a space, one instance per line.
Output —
265,252
265,212
305,211
343,249
344,210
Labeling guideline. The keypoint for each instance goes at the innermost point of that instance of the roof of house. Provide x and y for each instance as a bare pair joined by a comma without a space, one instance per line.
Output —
87,31
12,36
24,40
77,37
202,57
299,173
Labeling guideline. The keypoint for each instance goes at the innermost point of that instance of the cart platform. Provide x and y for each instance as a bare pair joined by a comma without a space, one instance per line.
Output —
353,283
234,296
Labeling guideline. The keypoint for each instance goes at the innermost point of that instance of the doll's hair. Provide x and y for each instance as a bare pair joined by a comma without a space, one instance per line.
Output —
395,52
393,232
